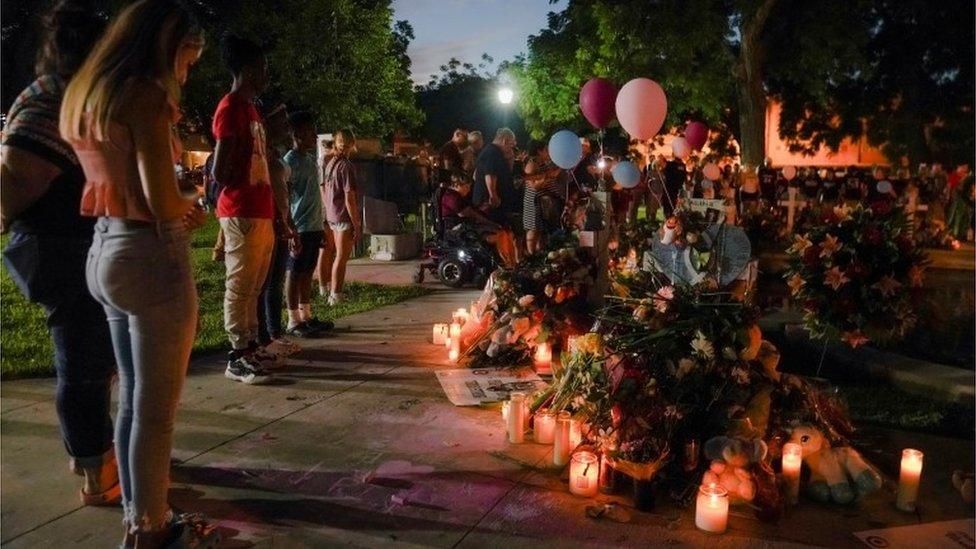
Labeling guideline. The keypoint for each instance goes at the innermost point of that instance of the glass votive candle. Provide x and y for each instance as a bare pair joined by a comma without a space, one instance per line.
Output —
561,448
791,462
584,474
439,334
909,479
712,509
545,426
516,418
543,357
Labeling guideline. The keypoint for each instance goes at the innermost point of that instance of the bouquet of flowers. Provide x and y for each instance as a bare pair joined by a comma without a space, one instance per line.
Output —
542,298
853,273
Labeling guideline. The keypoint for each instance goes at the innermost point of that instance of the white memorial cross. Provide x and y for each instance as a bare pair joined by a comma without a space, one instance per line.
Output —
792,204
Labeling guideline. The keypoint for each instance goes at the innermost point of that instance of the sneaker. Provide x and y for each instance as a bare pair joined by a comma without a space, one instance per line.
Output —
284,347
268,358
320,325
194,530
303,330
247,370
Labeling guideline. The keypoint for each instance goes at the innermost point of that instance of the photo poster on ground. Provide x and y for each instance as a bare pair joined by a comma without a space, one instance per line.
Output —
712,208
475,386
949,534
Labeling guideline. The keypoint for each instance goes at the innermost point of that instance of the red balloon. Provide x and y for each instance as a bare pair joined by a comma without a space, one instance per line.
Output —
596,99
696,134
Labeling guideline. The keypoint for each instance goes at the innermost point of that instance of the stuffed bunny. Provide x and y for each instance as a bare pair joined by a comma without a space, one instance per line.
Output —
836,474
731,459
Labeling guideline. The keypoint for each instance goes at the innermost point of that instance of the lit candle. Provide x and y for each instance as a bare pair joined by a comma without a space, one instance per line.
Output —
447,341
516,419
911,473
792,460
461,315
455,330
439,334
712,509
584,474
455,351
561,449
543,357
575,433
545,426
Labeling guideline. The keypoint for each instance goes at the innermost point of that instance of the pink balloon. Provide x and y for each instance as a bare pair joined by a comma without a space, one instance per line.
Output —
680,147
696,134
789,172
596,100
711,171
641,108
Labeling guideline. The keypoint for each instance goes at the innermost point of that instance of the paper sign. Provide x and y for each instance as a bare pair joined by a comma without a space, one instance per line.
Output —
474,386
586,239
712,208
954,534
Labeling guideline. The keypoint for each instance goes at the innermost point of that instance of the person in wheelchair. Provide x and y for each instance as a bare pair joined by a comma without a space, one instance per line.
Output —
457,214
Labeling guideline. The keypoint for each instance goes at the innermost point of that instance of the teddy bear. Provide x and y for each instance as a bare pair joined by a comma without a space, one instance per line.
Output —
837,474
731,458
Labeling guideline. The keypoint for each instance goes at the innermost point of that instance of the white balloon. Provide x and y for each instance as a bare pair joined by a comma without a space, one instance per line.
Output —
712,171
789,172
680,147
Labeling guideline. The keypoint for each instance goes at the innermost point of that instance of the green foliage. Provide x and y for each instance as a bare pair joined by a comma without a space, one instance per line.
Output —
465,95
901,70
26,344
345,60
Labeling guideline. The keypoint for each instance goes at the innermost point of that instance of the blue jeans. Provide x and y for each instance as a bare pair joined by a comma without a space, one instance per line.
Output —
270,302
50,271
141,273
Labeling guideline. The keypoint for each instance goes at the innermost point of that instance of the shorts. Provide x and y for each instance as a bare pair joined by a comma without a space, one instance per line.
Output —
308,257
340,226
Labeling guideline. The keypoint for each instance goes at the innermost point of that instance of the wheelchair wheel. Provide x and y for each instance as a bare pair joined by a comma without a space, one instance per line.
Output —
452,273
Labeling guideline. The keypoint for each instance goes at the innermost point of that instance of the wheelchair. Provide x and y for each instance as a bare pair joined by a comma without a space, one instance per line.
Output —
455,255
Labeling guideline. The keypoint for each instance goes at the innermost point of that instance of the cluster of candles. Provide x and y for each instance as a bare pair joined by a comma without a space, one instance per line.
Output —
561,430
449,335
712,505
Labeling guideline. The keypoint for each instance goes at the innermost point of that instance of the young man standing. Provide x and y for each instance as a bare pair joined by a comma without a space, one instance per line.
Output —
270,333
245,206
305,199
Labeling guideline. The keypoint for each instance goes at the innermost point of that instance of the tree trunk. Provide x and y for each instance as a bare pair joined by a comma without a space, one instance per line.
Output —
748,74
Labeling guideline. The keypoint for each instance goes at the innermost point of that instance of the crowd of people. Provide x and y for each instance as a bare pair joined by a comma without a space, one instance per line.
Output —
101,224
101,220
518,196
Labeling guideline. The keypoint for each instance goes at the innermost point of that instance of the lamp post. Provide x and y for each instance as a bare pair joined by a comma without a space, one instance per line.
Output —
505,97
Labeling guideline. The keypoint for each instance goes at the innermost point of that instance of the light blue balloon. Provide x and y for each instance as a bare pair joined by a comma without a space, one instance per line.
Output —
565,149
626,174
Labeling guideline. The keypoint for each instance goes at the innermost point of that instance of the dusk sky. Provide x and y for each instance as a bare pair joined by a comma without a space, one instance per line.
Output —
467,28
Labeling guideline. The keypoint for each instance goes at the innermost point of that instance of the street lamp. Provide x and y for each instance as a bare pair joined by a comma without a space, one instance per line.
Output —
505,95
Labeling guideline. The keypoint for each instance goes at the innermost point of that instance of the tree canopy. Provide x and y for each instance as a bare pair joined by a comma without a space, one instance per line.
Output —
343,59
464,95
898,71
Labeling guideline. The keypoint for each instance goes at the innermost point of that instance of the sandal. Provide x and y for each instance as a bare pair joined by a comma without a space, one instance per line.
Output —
192,531
110,496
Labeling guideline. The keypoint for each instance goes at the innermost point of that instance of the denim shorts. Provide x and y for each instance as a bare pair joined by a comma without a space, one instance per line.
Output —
308,257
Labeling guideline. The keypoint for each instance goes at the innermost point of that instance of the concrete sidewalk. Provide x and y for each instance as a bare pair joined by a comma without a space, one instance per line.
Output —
357,445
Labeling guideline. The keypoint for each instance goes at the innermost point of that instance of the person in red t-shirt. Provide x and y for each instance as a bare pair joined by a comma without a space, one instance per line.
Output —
245,206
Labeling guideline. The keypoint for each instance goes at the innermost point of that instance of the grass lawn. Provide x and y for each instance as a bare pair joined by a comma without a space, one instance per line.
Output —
25,346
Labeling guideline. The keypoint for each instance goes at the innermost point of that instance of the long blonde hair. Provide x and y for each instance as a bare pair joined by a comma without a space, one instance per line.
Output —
143,41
